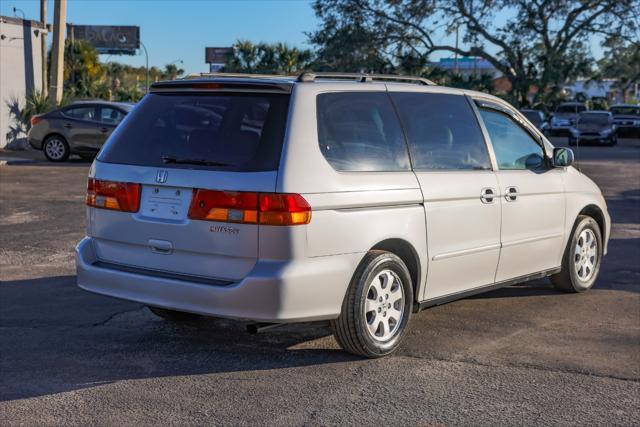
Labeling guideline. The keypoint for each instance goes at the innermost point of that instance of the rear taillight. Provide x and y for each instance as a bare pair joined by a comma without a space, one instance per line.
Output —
284,209
119,196
250,208
224,206
35,120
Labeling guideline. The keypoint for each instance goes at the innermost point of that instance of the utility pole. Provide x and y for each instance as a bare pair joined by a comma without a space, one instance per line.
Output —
455,65
57,52
43,46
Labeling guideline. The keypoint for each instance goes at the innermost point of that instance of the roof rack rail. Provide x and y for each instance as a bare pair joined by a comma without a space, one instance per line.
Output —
238,75
362,77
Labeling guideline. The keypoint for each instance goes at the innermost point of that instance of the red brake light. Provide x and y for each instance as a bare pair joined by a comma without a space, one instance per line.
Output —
284,209
250,208
120,196
35,120
225,206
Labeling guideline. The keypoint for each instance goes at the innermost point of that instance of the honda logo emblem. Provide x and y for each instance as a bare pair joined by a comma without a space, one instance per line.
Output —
161,176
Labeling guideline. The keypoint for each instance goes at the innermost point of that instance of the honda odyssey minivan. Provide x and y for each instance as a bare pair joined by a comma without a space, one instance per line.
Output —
358,199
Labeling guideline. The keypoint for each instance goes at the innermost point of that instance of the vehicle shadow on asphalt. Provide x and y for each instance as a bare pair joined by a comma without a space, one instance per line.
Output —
57,338
70,163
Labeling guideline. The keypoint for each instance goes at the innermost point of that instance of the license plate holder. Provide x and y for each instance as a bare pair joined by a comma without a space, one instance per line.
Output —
161,202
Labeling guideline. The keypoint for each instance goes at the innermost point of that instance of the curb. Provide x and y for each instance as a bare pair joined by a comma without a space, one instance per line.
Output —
15,161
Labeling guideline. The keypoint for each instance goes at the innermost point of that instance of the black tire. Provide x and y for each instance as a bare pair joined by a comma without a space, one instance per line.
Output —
173,315
568,280
350,329
62,147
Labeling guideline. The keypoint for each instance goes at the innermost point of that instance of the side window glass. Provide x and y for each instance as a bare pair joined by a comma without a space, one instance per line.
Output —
442,131
110,115
81,113
515,148
359,131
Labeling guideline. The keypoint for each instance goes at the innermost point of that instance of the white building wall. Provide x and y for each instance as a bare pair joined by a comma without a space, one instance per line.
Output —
20,65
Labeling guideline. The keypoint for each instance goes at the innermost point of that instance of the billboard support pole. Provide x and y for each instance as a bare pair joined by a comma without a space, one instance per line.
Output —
57,54
43,47
146,54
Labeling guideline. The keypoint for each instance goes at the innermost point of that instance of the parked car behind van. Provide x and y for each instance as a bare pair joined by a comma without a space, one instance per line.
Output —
565,117
80,128
537,118
594,127
626,117
352,198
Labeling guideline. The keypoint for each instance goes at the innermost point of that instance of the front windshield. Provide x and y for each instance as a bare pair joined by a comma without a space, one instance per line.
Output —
594,119
625,111
570,108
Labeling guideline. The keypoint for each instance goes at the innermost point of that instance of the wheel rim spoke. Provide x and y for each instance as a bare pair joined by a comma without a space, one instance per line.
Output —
384,305
374,325
370,305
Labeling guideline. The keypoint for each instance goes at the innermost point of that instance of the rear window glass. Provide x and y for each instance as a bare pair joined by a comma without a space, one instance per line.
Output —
359,131
533,116
570,108
222,131
82,113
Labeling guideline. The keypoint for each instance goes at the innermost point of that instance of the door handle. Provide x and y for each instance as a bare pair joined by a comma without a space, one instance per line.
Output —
511,194
104,130
68,125
487,195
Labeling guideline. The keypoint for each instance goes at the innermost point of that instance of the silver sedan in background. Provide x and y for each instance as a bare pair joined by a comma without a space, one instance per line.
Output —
80,128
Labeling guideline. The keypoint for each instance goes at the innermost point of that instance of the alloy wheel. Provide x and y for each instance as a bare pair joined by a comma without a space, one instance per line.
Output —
384,305
585,256
55,149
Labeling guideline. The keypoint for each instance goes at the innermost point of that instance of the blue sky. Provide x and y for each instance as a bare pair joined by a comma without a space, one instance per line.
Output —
174,30
180,29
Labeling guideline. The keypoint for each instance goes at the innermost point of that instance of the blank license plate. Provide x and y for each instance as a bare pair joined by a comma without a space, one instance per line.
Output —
165,202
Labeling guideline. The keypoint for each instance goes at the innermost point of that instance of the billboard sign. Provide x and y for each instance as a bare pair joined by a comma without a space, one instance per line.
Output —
217,55
109,39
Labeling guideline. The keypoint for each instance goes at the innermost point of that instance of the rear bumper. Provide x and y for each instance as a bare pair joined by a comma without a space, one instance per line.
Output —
275,291
35,143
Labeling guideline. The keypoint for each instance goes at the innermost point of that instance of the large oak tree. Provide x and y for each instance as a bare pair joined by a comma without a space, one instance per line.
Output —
532,42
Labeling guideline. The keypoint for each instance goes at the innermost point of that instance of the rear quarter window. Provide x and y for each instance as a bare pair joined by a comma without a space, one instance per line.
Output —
222,131
359,132
442,131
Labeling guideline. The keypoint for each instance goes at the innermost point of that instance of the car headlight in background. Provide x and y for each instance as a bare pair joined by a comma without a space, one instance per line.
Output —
574,132
606,132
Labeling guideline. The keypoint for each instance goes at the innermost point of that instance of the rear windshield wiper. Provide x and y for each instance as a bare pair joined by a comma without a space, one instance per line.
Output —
200,162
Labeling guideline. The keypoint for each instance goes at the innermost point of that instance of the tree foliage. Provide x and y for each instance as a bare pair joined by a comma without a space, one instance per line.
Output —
531,42
621,60
278,58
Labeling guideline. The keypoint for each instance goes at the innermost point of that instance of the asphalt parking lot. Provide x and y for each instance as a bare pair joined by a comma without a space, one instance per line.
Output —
521,355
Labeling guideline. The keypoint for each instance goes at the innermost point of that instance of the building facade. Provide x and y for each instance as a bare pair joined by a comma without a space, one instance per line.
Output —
20,68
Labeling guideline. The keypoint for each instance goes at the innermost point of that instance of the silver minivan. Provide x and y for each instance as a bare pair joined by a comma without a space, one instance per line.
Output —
357,199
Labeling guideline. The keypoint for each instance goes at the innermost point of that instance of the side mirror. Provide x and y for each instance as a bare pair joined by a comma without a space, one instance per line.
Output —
562,157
